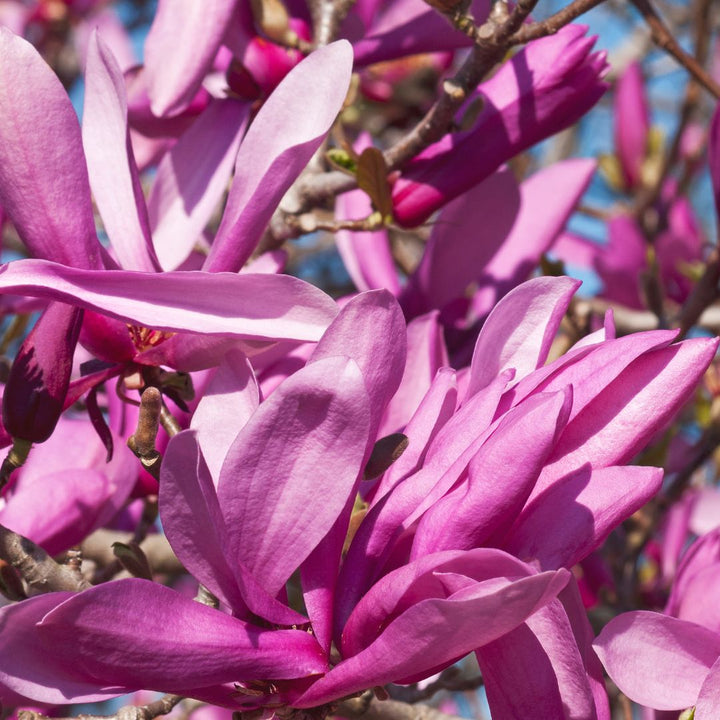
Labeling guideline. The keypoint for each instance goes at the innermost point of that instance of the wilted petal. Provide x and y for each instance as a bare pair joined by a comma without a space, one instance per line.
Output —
192,178
120,629
656,660
113,174
277,146
253,306
43,178
305,442
520,329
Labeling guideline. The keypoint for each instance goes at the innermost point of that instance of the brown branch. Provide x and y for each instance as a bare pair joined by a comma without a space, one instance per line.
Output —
551,25
663,38
36,567
328,16
130,712
369,707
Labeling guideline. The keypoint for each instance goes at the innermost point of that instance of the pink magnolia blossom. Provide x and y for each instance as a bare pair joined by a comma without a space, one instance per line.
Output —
544,88
631,124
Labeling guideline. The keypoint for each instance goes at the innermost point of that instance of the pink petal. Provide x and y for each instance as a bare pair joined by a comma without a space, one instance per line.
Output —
370,329
500,478
632,123
293,467
592,502
43,179
257,306
119,629
27,668
708,700
113,174
278,145
520,329
426,355
436,631
232,395
192,178
182,43
657,660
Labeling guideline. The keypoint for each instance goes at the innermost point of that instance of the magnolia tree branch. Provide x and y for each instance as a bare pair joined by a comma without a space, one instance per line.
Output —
492,40
36,567
130,712
368,707
549,26
663,38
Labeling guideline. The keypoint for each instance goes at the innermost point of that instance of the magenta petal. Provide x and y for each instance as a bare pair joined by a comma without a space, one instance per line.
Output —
43,178
293,467
276,148
192,177
708,700
426,354
253,306
500,478
520,329
232,395
27,669
632,123
537,670
714,157
435,409
590,504
57,504
547,199
180,47
436,631
366,254
370,329
656,660
645,397
192,519
119,630
113,174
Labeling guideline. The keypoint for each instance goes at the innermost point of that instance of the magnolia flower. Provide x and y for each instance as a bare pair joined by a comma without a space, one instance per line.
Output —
44,189
544,88
243,513
631,124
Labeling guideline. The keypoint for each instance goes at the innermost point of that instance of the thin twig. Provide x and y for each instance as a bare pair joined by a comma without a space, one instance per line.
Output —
130,712
551,25
663,38
35,566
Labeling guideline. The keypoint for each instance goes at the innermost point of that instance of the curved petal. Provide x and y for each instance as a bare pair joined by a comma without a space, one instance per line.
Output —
253,306
119,630
28,670
113,174
437,631
180,47
43,178
656,660
192,177
293,467
276,148
520,329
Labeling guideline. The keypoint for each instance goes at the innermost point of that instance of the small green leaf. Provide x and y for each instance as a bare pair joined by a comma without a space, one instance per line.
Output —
342,160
